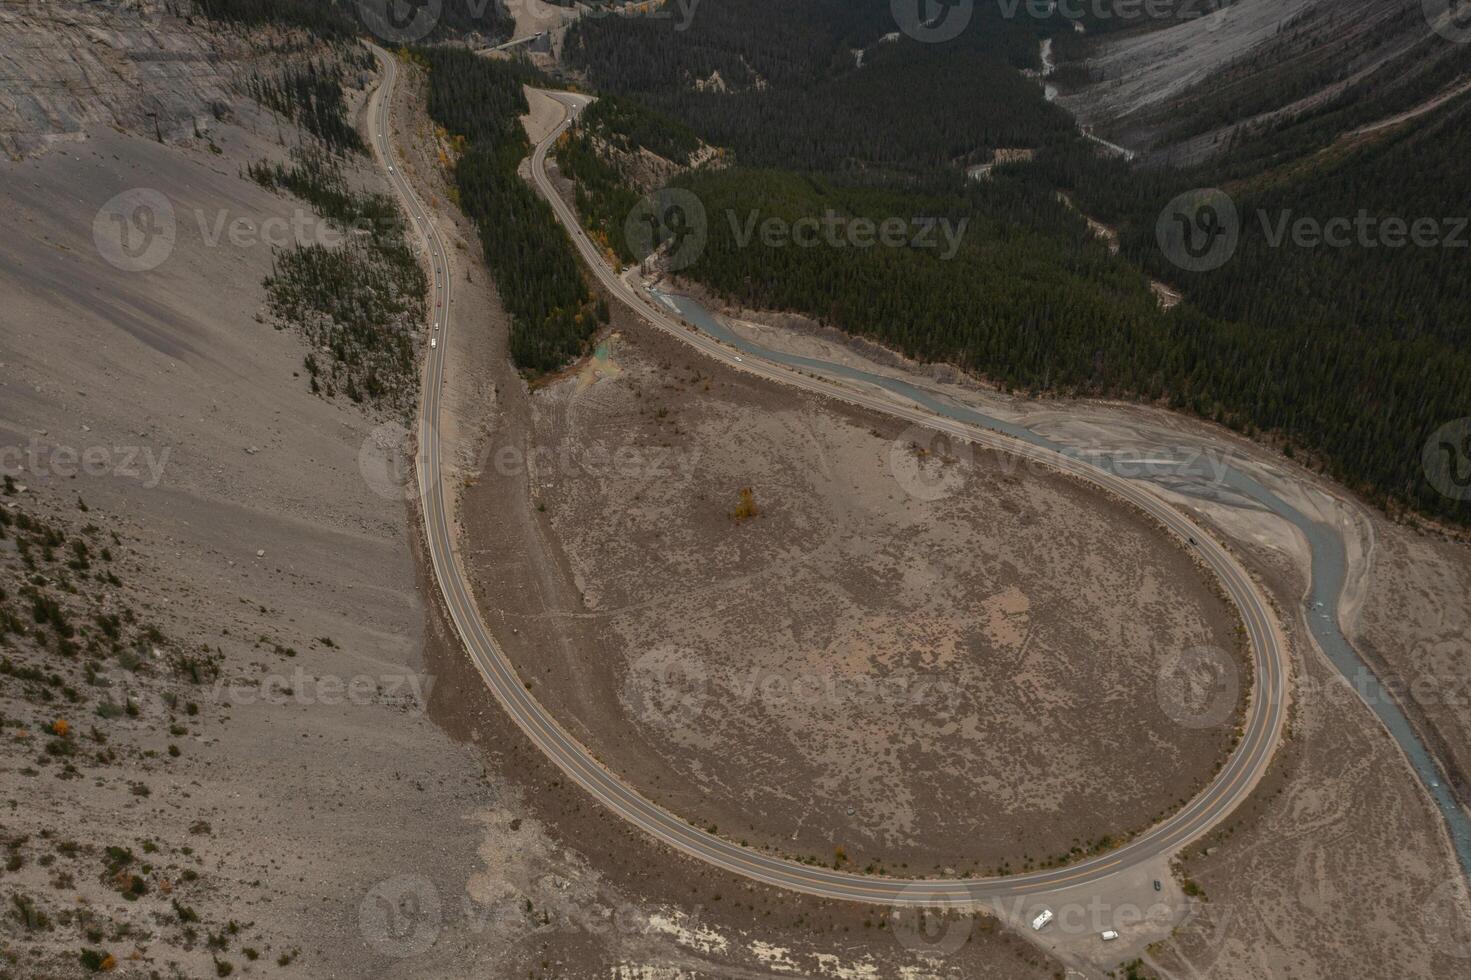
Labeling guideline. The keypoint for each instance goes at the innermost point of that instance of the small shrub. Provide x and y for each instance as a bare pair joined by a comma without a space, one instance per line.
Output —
118,858
746,507
97,961
30,917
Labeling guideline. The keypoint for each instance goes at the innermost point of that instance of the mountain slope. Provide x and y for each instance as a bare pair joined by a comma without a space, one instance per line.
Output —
1183,90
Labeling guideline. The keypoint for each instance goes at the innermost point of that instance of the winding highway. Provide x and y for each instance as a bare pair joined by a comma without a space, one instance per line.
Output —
1266,712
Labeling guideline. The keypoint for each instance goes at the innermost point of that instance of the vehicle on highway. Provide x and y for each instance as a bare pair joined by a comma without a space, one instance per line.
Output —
1043,917
434,343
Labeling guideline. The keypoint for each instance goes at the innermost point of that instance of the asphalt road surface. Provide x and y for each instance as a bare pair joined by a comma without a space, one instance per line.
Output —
1235,780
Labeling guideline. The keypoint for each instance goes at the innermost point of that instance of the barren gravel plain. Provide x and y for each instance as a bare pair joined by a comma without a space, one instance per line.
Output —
1339,864
907,656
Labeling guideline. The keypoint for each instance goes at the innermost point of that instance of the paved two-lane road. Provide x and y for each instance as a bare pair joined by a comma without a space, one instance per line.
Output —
1235,780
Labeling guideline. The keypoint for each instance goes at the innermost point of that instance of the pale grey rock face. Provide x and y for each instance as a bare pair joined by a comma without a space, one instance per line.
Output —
133,66
1148,79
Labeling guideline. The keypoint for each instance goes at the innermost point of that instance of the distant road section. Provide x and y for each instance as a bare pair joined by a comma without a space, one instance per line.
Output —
1266,713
